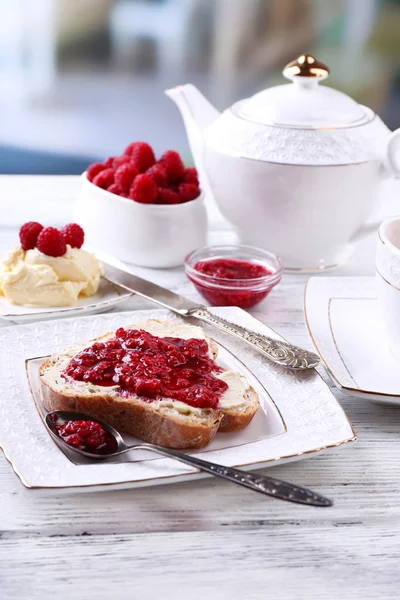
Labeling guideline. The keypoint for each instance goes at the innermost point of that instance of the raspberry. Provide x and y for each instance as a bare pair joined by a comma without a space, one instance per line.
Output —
78,426
108,163
115,189
120,160
95,440
120,334
73,235
124,176
104,179
129,148
94,170
28,234
75,440
158,174
141,154
174,166
143,190
191,176
166,196
51,242
188,191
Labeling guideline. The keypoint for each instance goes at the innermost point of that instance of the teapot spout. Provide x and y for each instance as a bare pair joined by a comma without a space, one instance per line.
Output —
197,113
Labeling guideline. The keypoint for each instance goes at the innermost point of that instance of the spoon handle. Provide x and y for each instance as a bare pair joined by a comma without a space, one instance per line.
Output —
280,352
259,483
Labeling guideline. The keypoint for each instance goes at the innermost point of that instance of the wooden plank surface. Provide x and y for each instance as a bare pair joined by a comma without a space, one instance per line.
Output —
209,538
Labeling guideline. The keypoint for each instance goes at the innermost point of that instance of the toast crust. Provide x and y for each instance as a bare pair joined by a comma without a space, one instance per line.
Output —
148,421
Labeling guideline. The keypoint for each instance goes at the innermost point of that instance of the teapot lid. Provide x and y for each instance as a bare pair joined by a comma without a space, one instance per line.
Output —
303,103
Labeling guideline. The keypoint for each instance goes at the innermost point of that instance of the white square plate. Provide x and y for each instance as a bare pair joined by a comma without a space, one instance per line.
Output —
311,419
346,328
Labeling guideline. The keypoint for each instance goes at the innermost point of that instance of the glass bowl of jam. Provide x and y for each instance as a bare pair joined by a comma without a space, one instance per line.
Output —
233,275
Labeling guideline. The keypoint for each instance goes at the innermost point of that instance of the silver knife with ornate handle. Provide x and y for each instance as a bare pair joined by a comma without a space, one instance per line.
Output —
279,352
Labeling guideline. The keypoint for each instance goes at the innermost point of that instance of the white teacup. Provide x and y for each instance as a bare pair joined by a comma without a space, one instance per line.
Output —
388,280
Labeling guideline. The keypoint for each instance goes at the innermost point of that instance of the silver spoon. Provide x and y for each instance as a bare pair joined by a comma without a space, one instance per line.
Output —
259,483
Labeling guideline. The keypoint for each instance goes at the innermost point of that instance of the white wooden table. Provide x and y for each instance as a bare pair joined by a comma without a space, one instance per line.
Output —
210,539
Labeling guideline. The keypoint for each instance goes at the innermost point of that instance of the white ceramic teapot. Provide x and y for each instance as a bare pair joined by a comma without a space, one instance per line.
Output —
296,168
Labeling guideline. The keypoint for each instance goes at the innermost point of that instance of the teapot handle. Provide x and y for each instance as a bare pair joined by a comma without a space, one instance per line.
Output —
365,230
391,167
393,153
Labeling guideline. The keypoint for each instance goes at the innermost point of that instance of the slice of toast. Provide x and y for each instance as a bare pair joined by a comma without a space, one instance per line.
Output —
163,421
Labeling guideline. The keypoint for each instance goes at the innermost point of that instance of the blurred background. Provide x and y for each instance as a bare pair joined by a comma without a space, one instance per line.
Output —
83,78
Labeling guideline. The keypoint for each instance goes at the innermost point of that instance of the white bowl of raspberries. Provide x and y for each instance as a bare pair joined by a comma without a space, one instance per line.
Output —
141,210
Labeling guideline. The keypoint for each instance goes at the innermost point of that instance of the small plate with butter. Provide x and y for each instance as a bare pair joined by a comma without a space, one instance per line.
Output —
108,295
49,275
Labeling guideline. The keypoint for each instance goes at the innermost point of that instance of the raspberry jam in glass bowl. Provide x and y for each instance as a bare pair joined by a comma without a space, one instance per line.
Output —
233,275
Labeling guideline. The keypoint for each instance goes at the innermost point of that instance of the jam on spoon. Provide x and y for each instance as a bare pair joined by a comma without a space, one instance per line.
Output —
57,420
84,434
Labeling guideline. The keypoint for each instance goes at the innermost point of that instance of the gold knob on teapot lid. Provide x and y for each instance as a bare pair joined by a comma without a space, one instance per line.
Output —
306,66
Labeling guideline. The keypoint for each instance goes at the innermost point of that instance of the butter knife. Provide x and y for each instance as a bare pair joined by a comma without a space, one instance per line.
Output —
280,352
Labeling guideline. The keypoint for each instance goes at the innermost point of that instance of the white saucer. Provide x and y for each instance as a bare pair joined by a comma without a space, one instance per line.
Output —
108,295
346,329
